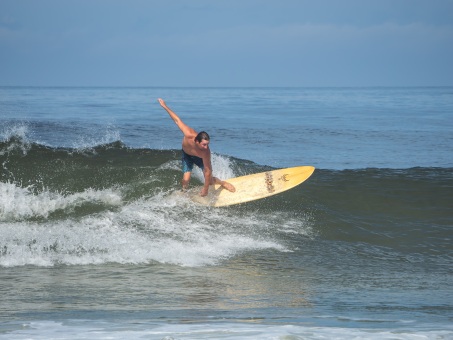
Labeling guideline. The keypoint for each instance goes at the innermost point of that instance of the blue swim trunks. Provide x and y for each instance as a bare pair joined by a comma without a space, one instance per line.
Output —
188,161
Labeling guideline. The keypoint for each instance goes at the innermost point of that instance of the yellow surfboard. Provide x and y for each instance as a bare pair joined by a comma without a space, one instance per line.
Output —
253,187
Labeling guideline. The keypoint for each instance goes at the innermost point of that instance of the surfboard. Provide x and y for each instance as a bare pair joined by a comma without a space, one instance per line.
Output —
253,187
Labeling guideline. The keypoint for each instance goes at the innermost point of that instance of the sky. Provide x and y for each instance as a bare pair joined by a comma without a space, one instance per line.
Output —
209,43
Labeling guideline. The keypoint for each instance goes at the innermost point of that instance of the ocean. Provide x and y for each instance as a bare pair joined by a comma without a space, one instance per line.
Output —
96,241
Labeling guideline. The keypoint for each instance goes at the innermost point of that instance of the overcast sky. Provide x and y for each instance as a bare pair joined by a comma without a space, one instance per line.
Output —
226,42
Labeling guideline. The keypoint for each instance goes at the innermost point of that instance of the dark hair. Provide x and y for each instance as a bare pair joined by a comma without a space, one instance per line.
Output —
202,135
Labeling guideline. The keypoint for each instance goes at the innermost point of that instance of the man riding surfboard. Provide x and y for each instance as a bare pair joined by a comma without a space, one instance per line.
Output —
195,150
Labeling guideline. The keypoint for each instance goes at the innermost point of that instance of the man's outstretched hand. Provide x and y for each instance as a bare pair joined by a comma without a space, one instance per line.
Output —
161,102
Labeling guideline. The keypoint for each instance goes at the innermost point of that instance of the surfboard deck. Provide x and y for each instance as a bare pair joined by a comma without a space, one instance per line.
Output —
253,187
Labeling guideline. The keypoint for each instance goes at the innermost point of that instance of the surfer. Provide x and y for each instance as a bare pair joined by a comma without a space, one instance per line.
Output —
195,150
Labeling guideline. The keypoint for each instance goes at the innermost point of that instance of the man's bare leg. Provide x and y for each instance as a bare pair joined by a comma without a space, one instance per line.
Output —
226,185
185,180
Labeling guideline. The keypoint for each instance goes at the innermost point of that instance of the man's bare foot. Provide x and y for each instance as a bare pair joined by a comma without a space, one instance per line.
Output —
228,186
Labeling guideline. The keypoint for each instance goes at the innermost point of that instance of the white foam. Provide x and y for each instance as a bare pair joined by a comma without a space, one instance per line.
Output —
19,131
221,168
17,203
165,228
88,329
94,136
15,130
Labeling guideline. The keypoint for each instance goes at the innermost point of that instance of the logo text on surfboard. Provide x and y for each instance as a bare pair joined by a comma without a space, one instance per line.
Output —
284,178
269,182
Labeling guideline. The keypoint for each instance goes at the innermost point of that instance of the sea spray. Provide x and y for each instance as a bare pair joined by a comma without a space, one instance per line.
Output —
17,203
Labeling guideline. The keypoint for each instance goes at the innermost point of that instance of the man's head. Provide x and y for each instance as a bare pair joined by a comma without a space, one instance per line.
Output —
202,139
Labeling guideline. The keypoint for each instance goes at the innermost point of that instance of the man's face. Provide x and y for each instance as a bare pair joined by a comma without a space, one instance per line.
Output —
204,144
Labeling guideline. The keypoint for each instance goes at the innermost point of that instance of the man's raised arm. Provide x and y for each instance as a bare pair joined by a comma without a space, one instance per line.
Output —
186,130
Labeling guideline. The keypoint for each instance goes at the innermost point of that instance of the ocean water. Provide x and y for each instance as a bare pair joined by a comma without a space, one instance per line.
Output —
96,241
